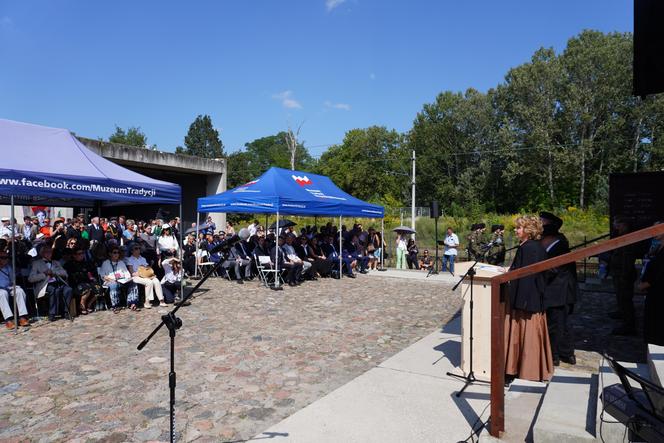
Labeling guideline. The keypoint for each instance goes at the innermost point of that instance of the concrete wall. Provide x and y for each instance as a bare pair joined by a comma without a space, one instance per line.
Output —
197,176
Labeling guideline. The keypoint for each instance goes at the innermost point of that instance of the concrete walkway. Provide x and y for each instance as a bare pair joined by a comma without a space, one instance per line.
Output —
407,398
412,274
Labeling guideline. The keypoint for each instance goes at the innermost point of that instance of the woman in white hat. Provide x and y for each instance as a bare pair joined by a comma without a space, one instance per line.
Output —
167,245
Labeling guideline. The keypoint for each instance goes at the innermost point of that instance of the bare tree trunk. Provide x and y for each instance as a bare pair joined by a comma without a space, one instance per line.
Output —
635,148
551,195
291,142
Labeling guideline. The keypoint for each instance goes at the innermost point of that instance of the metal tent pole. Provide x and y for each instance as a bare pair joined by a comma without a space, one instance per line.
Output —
341,254
198,219
14,266
180,229
276,255
382,243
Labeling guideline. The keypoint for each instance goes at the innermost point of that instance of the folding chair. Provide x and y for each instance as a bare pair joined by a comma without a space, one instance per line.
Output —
266,272
203,263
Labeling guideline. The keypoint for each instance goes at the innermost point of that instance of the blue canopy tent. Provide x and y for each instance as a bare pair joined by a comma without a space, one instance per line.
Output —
283,191
50,166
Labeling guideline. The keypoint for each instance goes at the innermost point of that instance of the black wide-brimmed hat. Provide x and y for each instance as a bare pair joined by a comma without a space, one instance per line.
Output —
553,220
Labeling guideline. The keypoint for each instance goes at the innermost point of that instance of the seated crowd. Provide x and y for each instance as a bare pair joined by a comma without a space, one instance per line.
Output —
309,254
73,268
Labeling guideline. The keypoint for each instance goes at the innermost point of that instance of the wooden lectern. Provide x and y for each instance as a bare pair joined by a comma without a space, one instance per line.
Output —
481,318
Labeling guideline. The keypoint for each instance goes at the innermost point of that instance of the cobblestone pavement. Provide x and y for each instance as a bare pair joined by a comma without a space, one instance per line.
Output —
246,358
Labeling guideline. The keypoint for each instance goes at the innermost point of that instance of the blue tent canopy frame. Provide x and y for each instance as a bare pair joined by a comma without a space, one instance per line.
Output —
290,192
284,191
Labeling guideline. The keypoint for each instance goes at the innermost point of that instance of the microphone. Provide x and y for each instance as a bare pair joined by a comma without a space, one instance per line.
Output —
226,245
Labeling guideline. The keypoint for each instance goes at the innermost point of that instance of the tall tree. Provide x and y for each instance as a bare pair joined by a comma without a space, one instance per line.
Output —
132,137
203,140
371,164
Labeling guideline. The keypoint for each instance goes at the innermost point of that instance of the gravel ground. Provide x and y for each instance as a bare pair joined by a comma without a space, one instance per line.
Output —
246,358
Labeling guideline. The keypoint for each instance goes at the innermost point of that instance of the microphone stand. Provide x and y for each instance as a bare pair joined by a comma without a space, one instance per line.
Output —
470,378
174,323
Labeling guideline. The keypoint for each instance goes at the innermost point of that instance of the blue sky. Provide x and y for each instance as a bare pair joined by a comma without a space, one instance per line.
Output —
257,66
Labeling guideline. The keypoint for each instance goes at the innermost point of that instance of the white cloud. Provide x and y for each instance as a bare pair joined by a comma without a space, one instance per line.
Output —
331,4
342,106
287,100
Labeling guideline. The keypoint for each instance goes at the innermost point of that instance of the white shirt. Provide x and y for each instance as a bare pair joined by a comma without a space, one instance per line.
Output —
167,242
450,241
114,270
169,275
135,262
252,229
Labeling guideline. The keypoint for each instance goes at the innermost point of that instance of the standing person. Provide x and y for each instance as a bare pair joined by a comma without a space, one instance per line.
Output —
413,252
230,231
476,242
402,249
95,231
624,275
528,350
652,281
451,243
560,292
496,253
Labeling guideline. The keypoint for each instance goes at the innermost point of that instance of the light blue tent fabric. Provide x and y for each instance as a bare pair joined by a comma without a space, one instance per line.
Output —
50,166
290,192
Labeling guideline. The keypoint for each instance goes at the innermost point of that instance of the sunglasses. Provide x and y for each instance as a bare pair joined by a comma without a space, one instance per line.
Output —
115,252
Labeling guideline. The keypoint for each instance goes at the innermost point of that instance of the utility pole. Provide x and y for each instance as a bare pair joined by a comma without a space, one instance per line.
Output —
412,210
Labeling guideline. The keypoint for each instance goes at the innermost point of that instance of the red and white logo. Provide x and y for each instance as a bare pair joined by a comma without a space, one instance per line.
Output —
253,182
302,181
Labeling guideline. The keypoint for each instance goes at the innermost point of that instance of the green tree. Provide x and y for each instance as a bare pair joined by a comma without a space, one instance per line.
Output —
371,164
132,137
203,140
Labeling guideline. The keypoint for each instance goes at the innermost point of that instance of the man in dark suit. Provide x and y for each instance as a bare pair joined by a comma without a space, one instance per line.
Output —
332,255
560,291
279,257
95,231
243,250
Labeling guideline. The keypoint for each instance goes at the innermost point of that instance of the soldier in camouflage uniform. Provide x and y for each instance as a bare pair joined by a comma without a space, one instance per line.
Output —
476,242
496,254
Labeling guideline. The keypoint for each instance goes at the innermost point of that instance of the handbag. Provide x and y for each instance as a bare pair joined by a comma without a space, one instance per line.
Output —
371,248
145,272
